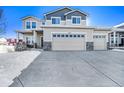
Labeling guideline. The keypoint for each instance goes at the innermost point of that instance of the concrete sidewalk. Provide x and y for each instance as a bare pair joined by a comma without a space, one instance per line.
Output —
11,65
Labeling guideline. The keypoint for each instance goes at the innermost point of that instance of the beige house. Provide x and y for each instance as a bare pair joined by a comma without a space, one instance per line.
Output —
63,29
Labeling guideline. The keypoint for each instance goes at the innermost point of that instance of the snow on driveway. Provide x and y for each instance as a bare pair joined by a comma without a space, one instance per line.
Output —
118,50
11,65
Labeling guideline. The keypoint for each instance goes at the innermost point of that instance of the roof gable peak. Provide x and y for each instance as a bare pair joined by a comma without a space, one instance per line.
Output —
77,11
26,17
59,10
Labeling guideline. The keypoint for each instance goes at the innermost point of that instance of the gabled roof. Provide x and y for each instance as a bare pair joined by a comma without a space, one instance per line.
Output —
58,10
116,26
77,11
26,17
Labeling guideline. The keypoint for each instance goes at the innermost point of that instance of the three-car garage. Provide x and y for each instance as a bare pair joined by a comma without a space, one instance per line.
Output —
67,41
75,38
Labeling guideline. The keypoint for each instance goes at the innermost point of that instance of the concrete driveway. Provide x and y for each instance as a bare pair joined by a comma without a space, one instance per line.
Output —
74,69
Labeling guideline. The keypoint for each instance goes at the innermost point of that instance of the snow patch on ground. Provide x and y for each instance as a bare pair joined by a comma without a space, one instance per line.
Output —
120,50
11,65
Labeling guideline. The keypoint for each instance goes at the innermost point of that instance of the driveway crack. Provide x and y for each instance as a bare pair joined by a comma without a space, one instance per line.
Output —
20,81
100,71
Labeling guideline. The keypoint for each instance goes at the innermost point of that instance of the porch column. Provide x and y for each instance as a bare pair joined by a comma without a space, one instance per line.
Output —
17,36
118,39
114,38
110,39
35,38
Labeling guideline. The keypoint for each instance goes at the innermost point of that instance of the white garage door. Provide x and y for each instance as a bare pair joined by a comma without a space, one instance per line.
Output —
68,42
100,42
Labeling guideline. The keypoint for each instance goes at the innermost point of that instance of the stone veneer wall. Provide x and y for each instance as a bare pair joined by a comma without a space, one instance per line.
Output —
89,46
108,46
47,46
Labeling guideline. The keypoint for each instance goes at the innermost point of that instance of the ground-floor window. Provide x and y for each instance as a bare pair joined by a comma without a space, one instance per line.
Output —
29,40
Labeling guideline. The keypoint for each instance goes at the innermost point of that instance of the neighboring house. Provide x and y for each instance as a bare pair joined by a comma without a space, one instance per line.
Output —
117,36
63,29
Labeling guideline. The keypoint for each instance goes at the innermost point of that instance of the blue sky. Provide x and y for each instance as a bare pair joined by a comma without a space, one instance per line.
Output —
104,16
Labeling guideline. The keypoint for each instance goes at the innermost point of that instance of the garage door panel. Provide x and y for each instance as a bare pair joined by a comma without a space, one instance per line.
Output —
68,43
100,43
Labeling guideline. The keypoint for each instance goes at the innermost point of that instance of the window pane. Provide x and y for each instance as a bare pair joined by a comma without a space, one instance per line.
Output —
74,20
70,35
28,25
54,35
74,35
78,20
66,35
78,35
55,21
62,35
82,35
33,24
58,35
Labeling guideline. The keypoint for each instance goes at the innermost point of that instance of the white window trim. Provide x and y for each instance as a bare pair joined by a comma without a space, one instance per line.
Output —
75,17
26,25
30,25
56,17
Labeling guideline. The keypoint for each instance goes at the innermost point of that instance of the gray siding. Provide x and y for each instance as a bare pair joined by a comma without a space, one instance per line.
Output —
59,13
76,13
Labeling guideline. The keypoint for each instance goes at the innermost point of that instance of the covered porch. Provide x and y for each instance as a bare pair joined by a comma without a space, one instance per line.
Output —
116,38
32,38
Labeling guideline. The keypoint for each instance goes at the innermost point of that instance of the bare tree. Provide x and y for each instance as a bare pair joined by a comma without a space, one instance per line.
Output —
2,22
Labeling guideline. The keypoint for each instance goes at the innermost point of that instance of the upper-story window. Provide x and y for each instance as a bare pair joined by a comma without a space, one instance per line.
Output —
55,20
33,24
76,19
28,25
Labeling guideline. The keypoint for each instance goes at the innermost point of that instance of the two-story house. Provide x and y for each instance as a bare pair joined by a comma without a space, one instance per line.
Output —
63,29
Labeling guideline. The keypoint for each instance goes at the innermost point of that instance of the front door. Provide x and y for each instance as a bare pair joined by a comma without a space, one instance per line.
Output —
122,41
41,42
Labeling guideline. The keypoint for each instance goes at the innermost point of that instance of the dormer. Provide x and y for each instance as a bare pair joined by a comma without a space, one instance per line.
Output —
31,23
